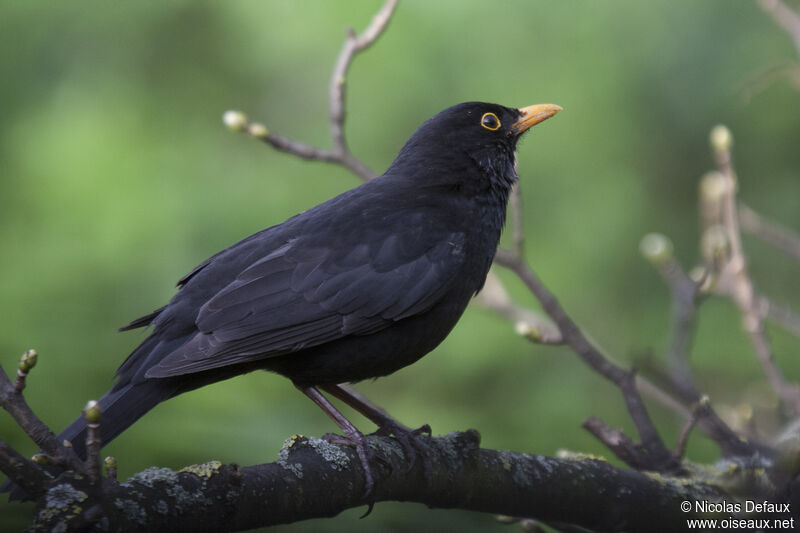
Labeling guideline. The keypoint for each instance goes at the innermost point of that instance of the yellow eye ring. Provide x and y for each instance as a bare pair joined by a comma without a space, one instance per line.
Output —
490,122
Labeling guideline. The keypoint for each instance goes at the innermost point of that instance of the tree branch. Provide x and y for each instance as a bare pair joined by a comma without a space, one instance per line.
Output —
22,471
314,478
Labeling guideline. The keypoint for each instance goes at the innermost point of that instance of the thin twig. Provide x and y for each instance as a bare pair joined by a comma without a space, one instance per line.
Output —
618,442
702,406
353,44
735,277
532,325
340,153
785,17
660,457
770,232
92,415
684,302
658,250
731,443
784,239
781,315
23,415
762,80
685,293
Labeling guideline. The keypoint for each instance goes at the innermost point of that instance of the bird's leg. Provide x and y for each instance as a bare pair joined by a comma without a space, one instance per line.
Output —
353,436
387,425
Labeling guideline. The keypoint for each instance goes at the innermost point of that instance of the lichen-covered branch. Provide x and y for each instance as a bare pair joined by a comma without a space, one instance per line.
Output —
314,478
22,471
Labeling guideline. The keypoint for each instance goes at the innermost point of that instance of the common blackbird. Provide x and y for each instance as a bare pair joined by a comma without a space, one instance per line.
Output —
356,287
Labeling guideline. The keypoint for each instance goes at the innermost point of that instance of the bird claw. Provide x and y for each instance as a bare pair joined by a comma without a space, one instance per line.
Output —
411,444
365,454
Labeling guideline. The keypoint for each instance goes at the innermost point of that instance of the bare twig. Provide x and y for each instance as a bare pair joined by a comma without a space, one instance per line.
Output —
657,249
781,315
734,276
12,401
531,324
340,153
659,456
92,414
785,17
353,44
702,406
618,442
730,442
762,80
770,232
685,293
789,21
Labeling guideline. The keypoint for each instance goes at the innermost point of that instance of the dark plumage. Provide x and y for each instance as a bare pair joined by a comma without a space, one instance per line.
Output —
357,287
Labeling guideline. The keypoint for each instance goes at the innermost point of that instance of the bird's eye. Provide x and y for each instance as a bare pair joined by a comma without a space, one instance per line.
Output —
490,121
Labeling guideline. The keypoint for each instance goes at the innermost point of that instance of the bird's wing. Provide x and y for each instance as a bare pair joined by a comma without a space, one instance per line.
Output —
306,293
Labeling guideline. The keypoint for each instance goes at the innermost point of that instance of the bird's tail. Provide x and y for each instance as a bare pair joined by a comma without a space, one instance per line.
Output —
120,408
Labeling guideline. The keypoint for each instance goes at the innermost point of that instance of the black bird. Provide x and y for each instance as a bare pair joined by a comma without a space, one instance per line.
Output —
354,288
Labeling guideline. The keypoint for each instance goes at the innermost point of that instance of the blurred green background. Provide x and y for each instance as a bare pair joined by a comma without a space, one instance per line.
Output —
117,177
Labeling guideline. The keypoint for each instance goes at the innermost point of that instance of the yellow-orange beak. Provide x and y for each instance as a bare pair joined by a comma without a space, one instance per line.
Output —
532,115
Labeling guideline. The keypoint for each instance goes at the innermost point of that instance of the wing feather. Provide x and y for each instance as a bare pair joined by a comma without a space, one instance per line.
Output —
302,294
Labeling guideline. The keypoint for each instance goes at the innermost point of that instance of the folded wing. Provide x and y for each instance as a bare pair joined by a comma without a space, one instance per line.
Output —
306,293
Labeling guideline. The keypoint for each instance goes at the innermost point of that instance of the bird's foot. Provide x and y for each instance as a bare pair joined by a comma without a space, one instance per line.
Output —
365,455
409,440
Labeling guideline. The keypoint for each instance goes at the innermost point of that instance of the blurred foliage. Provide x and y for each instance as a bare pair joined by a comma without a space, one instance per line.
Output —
117,177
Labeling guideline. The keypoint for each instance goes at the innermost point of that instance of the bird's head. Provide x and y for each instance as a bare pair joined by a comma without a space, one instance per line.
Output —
467,142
